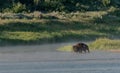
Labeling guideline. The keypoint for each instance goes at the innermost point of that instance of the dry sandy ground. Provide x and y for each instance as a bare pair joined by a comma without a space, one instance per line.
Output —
115,51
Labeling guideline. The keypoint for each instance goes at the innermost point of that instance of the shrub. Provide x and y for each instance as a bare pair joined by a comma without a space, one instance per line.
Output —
15,8
18,7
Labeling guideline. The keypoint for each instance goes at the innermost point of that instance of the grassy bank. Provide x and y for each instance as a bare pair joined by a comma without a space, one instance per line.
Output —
78,26
98,44
105,44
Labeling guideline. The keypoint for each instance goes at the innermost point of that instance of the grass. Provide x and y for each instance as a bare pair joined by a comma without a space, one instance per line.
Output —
78,26
105,44
98,44
67,48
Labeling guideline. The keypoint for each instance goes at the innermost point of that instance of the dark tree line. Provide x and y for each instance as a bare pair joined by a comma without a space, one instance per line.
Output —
56,5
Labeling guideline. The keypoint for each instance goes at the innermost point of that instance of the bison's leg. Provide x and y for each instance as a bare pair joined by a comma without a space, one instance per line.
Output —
87,48
75,49
80,50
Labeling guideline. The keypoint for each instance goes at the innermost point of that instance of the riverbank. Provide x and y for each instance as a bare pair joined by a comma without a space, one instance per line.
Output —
66,27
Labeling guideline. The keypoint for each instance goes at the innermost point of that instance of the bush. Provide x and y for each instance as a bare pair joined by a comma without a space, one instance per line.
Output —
16,8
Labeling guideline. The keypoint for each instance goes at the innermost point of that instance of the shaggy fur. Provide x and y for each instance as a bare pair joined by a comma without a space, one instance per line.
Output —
80,47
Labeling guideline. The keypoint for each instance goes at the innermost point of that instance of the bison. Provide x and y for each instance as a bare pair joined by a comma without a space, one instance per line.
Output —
80,47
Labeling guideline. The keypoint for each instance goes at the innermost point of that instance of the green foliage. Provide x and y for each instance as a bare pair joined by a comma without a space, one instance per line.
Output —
16,8
57,5
106,2
36,2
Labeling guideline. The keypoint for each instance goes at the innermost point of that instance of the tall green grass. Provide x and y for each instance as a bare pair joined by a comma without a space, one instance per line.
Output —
105,44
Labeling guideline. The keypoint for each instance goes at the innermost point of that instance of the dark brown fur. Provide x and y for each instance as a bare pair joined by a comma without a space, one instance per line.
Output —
80,47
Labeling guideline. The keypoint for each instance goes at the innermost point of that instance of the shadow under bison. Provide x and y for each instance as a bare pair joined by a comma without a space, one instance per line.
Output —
80,48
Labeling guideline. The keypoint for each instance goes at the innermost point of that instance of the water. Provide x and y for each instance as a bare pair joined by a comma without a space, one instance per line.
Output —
35,59
59,67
